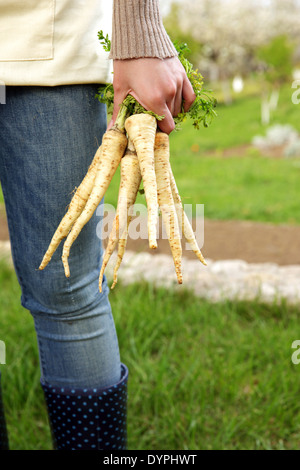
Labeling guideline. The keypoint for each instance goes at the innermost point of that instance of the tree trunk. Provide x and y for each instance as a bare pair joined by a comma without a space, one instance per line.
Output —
265,110
269,103
226,91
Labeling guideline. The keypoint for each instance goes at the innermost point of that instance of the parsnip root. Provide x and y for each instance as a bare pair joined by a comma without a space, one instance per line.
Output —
165,199
145,155
113,146
141,129
76,206
129,184
184,223
121,250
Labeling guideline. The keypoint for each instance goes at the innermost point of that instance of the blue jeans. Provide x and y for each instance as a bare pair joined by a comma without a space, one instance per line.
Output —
48,137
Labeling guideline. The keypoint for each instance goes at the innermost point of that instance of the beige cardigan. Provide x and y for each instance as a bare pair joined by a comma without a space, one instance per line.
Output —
54,42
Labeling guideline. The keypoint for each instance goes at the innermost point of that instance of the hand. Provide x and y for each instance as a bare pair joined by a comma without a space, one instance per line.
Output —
158,85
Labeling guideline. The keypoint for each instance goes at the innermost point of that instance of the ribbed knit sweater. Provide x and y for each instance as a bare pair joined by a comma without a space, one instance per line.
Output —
138,31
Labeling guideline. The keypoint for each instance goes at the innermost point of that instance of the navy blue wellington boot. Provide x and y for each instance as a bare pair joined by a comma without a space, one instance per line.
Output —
88,419
3,430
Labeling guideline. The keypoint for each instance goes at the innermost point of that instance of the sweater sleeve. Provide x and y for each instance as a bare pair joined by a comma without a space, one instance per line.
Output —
138,31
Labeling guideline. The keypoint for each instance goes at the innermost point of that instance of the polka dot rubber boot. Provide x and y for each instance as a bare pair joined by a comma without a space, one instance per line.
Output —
3,430
88,419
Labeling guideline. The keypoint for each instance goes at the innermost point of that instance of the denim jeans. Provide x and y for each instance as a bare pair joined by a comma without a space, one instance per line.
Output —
48,137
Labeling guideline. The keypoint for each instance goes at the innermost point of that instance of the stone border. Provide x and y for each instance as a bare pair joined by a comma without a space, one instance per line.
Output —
218,281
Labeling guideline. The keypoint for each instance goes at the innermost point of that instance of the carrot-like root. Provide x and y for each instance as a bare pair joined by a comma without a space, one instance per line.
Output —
184,223
75,208
112,242
121,250
113,146
141,129
129,184
165,199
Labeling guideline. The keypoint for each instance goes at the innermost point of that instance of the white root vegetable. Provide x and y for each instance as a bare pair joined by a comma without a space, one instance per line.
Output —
165,199
75,208
183,220
141,129
113,146
129,184
147,158
121,250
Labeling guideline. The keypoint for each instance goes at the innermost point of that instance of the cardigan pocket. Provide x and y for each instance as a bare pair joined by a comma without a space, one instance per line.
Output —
26,30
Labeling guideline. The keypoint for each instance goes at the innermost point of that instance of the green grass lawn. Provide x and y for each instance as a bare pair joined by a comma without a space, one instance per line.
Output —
244,188
202,376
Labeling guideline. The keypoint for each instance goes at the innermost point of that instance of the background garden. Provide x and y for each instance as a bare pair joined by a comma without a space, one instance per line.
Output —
203,375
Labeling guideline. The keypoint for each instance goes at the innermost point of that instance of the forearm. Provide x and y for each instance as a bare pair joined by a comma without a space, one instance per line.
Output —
138,31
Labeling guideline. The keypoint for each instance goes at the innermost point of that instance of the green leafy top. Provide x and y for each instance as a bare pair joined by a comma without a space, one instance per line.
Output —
104,40
201,112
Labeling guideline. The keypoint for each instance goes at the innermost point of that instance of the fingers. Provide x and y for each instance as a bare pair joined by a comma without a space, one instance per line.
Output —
184,95
175,105
161,86
188,94
167,125
159,106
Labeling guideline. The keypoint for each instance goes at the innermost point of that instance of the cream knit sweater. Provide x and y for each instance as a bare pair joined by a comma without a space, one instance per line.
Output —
54,42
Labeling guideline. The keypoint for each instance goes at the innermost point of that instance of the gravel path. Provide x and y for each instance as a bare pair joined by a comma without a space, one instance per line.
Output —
220,280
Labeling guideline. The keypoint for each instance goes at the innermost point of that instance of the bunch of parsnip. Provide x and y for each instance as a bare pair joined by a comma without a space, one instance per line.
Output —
142,151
